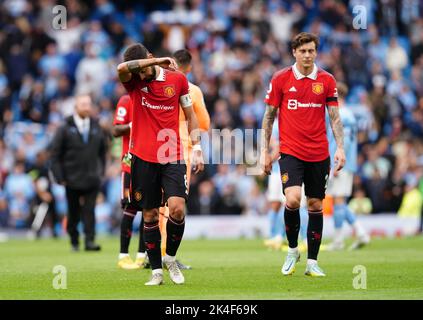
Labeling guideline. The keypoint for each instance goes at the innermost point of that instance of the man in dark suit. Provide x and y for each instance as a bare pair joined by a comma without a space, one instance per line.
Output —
78,155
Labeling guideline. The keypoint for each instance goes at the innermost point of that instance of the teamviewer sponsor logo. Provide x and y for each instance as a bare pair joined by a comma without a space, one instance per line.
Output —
292,104
145,103
309,105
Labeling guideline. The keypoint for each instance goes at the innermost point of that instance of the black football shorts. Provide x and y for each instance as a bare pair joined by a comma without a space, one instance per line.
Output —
314,175
153,183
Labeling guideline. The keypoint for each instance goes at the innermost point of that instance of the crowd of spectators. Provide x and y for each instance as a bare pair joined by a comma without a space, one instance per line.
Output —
236,46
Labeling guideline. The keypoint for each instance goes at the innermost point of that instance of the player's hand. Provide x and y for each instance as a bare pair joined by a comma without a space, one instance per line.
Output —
124,203
167,63
266,162
197,161
126,160
339,160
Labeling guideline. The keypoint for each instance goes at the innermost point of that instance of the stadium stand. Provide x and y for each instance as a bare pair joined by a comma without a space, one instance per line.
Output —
236,47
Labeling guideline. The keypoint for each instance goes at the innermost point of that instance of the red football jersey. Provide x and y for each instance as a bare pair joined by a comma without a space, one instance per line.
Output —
123,116
155,116
301,101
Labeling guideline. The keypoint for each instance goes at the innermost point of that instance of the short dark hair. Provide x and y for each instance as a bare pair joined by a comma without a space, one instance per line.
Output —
183,57
134,52
303,38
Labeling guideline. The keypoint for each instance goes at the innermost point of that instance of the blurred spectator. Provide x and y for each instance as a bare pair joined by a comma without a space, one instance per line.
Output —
65,100
420,228
229,203
396,57
68,39
223,177
359,203
354,61
4,214
51,60
30,147
255,203
114,184
117,35
43,193
19,192
17,65
103,215
6,161
97,37
281,22
34,106
91,73
375,165
411,205
61,205
207,200
4,90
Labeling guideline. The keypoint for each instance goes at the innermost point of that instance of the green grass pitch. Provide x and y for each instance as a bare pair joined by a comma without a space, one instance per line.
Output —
222,269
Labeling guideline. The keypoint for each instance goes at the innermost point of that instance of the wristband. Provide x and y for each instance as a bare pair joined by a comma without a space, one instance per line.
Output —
130,125
197,147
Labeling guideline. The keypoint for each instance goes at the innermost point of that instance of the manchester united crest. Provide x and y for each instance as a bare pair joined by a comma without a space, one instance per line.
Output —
285,178
138,196
317,88
169,91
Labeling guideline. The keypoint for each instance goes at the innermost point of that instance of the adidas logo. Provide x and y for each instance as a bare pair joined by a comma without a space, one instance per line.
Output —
144,89
292,89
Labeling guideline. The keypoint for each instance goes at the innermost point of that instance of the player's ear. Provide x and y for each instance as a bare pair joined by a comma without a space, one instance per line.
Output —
149,55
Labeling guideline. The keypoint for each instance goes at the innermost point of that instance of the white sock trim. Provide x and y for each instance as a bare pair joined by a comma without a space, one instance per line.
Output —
141,255
159,271
123,255
311,262
129,214
169,258
292,250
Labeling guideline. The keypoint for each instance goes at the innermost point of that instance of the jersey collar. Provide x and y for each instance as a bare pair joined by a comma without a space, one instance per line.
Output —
161,75
298,75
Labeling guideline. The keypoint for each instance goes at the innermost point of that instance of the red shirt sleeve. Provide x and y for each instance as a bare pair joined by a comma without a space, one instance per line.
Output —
122,113
131,84
184,85
274,93
332,93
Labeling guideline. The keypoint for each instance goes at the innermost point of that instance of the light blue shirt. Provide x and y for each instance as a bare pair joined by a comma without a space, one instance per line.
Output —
19,184
350,139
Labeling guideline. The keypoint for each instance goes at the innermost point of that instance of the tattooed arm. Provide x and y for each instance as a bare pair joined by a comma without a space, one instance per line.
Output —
126,69
338,133
267,125
119,130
